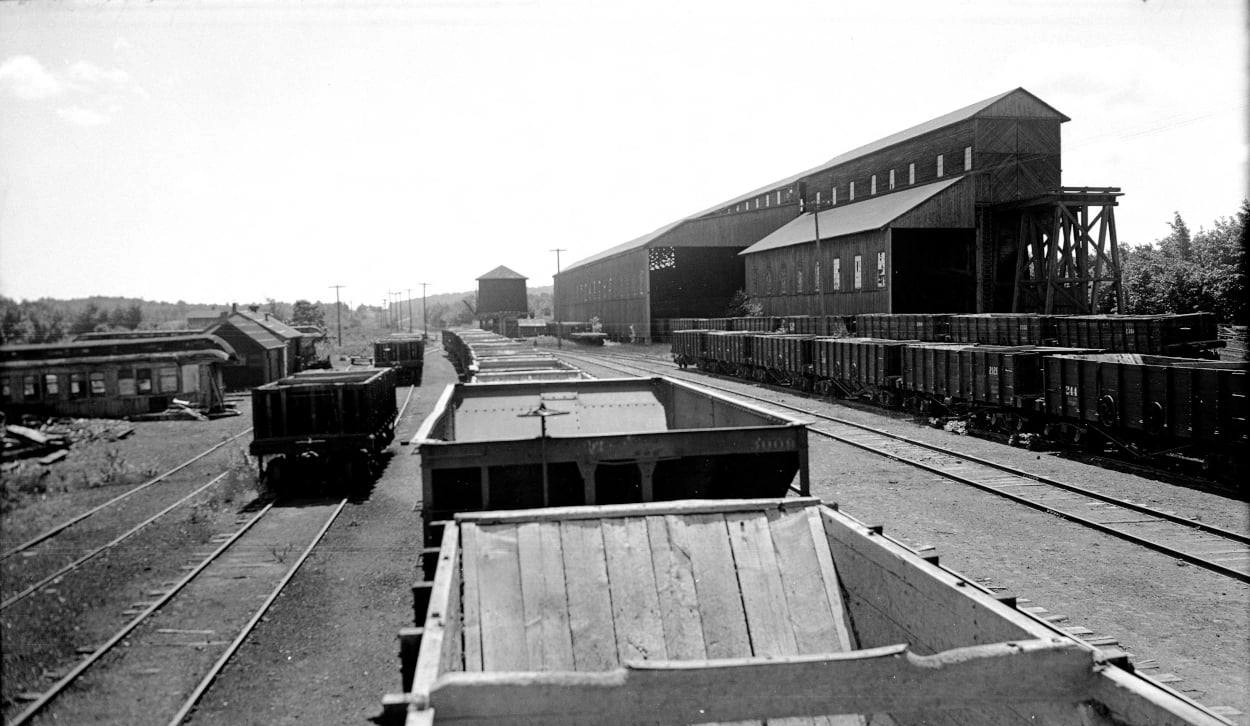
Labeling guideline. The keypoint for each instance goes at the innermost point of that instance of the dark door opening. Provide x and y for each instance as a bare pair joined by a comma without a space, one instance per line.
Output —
934,270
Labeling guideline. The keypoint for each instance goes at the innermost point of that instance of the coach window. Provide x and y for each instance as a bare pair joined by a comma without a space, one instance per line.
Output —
30,387
143,380
77,385
51,385
939,165
169,380
837,274
880,269
859,272
967,158
97,383
126,382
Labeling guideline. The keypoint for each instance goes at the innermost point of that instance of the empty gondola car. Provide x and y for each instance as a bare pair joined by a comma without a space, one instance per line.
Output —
404,353
319,424
605,441
732,611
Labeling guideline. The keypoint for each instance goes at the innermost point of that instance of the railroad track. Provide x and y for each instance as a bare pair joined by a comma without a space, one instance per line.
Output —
1219,550
183,638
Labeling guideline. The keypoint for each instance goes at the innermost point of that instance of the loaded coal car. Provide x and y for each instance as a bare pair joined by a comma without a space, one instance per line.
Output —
737,612
404,353
688,347
1153,403
600,441
318,424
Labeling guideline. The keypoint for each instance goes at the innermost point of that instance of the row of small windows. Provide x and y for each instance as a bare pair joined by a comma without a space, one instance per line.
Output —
613,287
833,193
130,382
857,279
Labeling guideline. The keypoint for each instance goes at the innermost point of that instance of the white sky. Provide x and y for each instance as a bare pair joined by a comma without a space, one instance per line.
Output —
238,151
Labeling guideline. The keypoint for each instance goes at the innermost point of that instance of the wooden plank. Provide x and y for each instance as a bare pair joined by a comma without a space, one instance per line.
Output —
877,680
471,604
675,589
590,607
845,639
499,596
546,615
704,538
635,604
442,610
647,509
763,595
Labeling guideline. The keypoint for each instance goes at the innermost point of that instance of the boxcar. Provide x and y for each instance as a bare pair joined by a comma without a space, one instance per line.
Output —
737,611
404,353
517,445
337,421
1157,399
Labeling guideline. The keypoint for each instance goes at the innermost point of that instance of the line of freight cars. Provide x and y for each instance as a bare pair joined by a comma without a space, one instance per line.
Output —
1077,394
481,356
405,352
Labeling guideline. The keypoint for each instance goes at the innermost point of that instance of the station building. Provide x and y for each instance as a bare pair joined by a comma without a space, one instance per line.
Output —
963,213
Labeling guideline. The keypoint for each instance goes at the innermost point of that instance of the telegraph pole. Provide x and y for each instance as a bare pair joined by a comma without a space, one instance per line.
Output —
394,306
410,310
554,307
425,320
338,311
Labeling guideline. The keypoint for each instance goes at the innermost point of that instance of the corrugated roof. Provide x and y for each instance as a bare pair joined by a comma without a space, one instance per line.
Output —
503,273
931,125
858,217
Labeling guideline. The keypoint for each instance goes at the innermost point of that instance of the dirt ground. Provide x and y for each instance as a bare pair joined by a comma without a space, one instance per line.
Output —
327,651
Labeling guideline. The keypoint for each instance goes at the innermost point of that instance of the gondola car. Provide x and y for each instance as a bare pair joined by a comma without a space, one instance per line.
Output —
330,426
737,611
404,353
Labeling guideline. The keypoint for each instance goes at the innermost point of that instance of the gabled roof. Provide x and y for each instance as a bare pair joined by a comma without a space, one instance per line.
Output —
992,106
503,273
250,328
858,217
272,324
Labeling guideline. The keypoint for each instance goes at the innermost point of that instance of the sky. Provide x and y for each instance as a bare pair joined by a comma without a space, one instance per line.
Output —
240,151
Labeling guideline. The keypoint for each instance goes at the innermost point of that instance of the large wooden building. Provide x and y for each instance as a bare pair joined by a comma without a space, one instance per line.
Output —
963,213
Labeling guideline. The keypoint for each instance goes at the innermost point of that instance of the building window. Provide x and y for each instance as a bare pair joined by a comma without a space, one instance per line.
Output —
757,203
126,381
784,276
77,385
768,201
798,283
833,196
169,380
97,383
818,200
30,387
911,173
967,158
891,178
818,287
859,272
837,274
880,269
851,192
872,188
51,385
143,380
940,160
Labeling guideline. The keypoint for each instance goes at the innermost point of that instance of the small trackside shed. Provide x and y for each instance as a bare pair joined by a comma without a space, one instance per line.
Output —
262,355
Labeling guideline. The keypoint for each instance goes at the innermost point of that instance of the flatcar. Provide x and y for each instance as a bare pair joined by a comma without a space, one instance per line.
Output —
404,353
737,611
323,425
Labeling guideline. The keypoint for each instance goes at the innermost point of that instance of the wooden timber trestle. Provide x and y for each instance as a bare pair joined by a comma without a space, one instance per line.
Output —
1067,250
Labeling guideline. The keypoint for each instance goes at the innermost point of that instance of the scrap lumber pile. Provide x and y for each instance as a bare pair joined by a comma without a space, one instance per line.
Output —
51,440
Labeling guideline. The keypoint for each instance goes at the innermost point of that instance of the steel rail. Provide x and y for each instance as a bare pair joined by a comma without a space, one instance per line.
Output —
114,542
1098,526
98,653
212,674
57,529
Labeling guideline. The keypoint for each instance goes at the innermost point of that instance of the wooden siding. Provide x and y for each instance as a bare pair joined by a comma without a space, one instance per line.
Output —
1017,158
497,296
952,208
616,290
739,230
772,277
